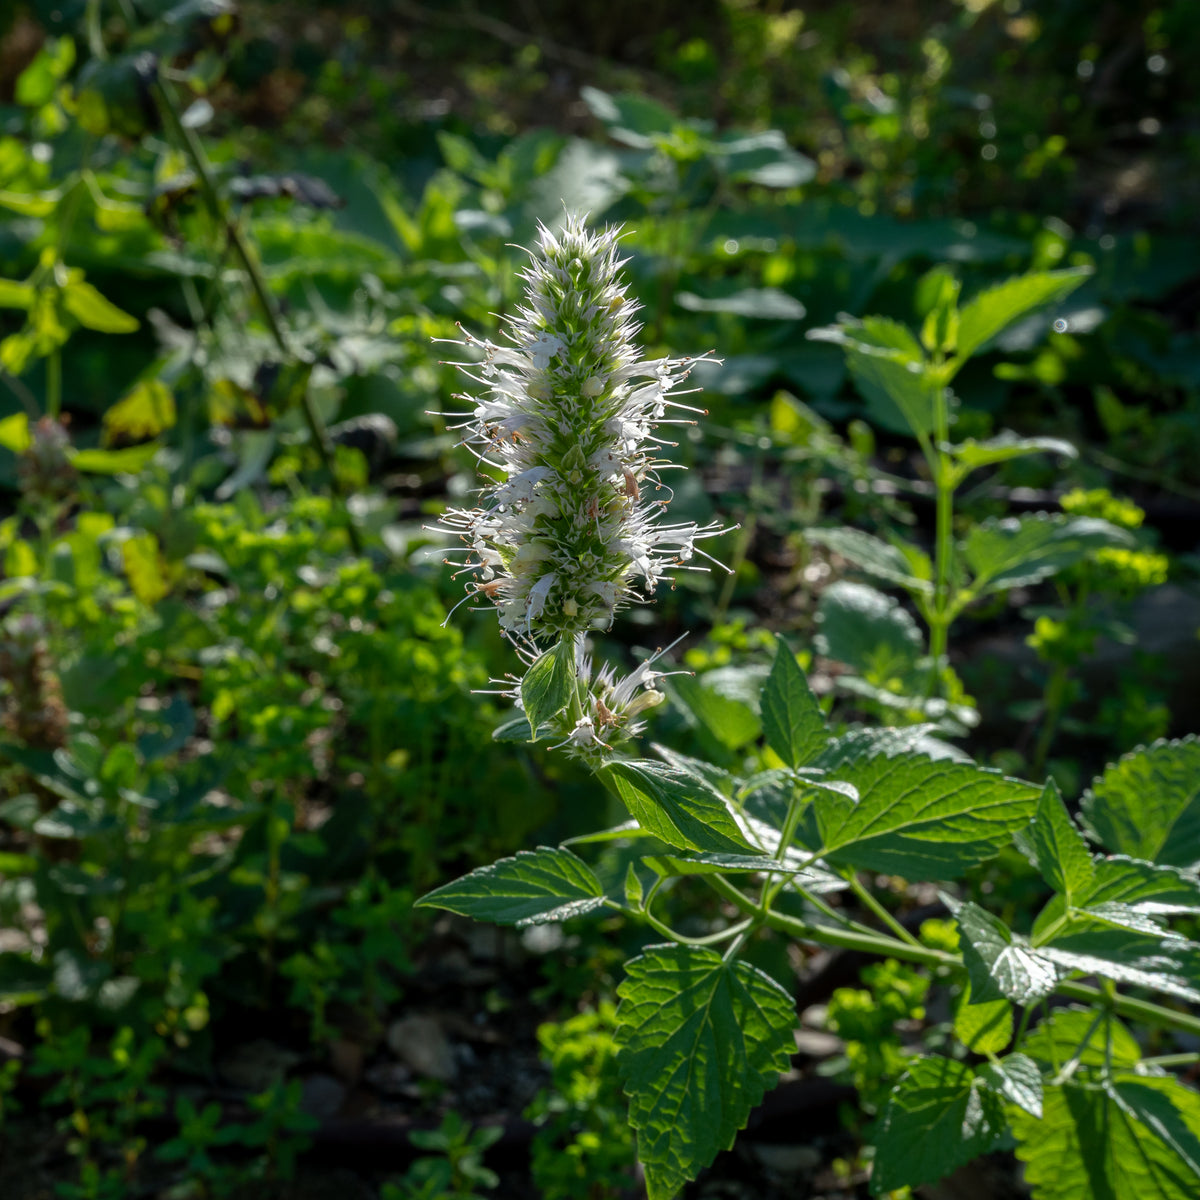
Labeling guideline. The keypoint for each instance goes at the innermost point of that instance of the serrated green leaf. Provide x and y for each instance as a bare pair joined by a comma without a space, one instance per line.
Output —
634,896
514,729
1169,1109
93,311
971,454
992,311
681,808
1019,551
866,742
936,289
1073,1031
627,831
1000,964
938,298
1143,886
985,1026
714,776
1062,854
882,333
1090,1145
533,887
920,818
867,630
549,683
700,1041
1056,914
907,566
791,717
1147,805
1018,1079
900,395
938,1117
1120,945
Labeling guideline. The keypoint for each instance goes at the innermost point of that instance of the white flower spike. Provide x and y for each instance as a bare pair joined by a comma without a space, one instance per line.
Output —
574,530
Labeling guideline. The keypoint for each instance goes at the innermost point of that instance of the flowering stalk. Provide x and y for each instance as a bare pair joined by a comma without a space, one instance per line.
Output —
573,528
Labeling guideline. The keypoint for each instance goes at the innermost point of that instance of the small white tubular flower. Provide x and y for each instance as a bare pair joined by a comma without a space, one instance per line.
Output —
574,530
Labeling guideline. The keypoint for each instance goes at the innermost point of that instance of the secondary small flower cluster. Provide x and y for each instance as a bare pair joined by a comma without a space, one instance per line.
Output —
608,709
574,527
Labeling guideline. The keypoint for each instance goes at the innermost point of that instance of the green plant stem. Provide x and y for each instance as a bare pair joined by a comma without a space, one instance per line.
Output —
192,147
95,32
1072,1064
864,894
846,939
941,469
1187,1059
1023,1024
1056,694
54,383
772,887
25,397
709,939
885,946
740,552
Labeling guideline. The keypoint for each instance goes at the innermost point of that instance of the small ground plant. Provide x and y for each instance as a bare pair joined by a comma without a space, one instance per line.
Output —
570,529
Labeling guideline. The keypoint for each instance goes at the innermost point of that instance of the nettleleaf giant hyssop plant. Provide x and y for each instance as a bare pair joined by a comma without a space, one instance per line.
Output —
559,543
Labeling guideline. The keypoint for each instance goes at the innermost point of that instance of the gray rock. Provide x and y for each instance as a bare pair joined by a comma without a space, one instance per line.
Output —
322,1096
257,1065
420,1044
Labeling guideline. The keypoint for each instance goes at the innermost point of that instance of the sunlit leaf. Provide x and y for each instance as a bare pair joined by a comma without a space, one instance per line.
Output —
680,808
1001,964
921,819
93,311
1017,1079
14,294
14,433
1062,855
145,568
1092,1143
532,887
792,720
938,1117
127,461
1147,805
145,411
689,1025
